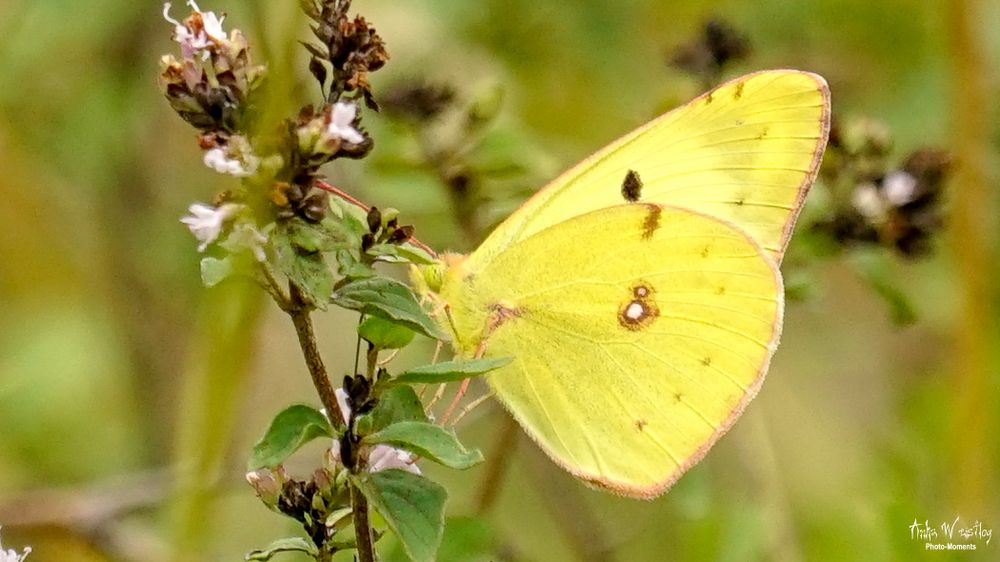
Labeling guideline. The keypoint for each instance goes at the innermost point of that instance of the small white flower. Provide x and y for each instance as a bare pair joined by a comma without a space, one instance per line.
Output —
193,40
11,555
245,236
211,23
342,123
206,222
899,188
219,160
868,202
381,457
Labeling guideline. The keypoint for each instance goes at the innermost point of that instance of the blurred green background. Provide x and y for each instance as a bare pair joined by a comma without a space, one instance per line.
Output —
130,395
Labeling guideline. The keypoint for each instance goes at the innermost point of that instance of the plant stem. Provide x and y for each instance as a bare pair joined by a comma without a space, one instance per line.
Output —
499,461
974,427
362,529
299,312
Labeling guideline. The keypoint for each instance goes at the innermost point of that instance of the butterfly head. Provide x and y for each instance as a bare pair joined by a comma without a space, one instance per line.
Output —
428,280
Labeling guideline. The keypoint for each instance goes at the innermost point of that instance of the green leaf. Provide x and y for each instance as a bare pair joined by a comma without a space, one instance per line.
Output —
429,441
406,253
352,217
384,334
450,371
397,404
349,267
389,299
411,505
215,271
323,237
293,427
308,270
291,544
466,538
337,516
415,254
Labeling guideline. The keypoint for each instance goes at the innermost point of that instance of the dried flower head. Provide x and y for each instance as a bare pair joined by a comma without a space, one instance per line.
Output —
210,85
894,206
718,44
418,101
351,48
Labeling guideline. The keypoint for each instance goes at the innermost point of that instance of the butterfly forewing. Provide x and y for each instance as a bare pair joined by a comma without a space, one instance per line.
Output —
745,152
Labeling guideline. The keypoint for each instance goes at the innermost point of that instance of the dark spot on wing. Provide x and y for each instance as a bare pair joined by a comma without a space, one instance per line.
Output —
652,222
632,186
740,201
763,133
707,361
677,396
640,424
639,310
499,314
705,251
708,97
720,291
739,90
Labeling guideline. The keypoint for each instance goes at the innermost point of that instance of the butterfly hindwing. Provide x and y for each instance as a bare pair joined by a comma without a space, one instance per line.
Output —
638,332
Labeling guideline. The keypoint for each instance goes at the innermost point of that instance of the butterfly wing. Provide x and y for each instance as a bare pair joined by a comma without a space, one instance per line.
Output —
745,152
639,332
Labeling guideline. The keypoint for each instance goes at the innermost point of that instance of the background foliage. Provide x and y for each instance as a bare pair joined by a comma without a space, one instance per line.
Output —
130,396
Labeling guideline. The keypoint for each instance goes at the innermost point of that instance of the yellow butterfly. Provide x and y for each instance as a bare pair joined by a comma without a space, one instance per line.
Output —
639,293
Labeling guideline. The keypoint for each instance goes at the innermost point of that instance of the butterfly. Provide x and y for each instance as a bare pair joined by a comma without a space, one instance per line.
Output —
638,294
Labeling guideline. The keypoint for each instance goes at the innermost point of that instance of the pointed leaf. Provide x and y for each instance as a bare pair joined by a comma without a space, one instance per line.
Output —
291,544
429,441
397,404
308,270
449,371
384,334
411,505
326,236
215,270
389,299
293,427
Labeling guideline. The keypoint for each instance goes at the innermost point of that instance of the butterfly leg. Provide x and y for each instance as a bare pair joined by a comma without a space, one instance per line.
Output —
464,387
472,405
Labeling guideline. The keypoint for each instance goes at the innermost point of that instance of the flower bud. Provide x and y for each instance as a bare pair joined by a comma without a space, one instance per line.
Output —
267,484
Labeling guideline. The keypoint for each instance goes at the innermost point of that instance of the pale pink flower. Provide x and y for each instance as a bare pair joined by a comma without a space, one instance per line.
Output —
381,457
